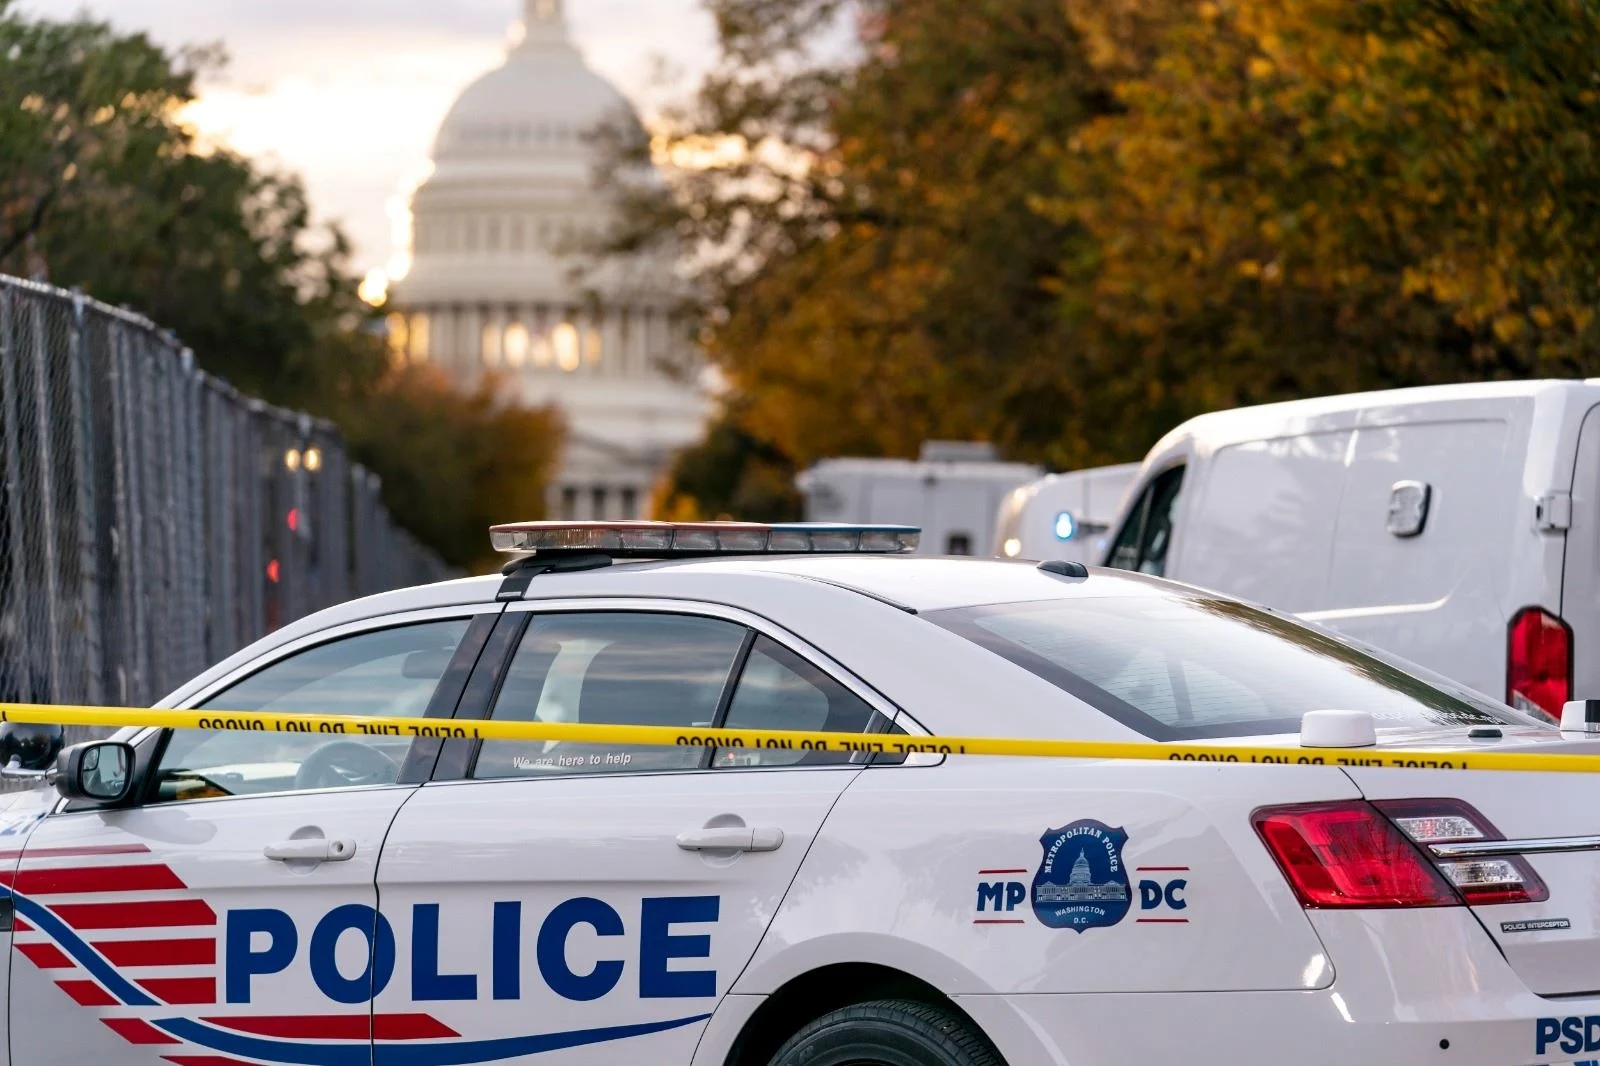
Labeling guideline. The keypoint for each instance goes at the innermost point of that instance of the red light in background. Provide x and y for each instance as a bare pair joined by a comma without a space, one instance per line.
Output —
1539,663
272,571
294,521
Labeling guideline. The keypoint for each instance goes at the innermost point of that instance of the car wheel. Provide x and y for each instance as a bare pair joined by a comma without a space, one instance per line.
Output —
889,1032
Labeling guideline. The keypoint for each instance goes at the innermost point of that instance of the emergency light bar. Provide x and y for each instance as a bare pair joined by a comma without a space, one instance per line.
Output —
658,540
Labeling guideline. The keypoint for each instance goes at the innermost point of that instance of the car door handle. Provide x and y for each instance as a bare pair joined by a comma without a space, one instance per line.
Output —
732,838
311,849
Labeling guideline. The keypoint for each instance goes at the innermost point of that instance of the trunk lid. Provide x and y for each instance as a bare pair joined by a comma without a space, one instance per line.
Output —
1553,945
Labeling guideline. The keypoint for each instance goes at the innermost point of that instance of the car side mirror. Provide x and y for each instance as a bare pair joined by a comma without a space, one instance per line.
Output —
100,771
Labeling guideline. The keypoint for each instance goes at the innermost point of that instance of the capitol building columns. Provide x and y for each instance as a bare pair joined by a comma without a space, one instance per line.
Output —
491,287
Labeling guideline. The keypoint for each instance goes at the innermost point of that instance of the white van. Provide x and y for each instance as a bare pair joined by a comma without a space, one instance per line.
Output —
1456,526
1063,516
951,492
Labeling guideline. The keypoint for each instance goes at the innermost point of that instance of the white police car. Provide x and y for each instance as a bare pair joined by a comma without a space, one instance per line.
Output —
339,901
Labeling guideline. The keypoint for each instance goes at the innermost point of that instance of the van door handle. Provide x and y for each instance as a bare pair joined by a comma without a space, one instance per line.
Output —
732,838
311,849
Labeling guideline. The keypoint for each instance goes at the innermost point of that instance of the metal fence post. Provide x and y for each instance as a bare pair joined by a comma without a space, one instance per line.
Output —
14,592
84,476
46,466
137,604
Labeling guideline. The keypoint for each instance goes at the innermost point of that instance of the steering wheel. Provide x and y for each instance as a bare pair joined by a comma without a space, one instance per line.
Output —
346,763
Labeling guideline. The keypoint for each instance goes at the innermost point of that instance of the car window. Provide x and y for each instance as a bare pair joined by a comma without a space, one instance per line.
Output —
1125,550
390,672
1145,538
614,668
1176,665
1179,691
781,691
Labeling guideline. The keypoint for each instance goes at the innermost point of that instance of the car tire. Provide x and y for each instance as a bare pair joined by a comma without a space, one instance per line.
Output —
888,1032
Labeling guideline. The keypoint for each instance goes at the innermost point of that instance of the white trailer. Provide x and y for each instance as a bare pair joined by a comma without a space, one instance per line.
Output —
951,491
1063,516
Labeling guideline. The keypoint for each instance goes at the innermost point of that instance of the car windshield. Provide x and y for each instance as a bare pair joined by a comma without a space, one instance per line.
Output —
1180,666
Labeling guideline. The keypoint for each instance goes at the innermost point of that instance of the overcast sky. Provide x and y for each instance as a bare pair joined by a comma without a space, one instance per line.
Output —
349,92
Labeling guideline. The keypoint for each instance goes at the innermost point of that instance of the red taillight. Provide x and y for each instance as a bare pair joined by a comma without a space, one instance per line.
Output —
1480,880
1539,665
1358,854
1349,855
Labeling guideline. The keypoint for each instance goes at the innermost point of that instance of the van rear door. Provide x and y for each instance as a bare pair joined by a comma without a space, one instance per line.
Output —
1432,596
1580,579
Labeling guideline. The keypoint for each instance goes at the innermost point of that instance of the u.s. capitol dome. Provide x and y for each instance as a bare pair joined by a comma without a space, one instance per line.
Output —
498,236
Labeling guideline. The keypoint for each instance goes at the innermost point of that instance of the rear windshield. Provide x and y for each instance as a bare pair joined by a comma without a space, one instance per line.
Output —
1176,666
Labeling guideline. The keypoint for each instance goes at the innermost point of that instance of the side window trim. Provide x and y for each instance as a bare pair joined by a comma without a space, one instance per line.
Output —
459,756
424,752
730,688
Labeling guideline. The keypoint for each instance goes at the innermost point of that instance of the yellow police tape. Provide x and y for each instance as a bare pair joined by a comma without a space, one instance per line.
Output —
766,739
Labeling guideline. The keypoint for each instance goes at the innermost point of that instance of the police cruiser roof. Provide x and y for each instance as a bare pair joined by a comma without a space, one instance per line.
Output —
667,540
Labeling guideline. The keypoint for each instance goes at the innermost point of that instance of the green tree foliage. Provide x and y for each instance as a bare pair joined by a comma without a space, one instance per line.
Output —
1066,225
103,187
729,476
875,273
458,461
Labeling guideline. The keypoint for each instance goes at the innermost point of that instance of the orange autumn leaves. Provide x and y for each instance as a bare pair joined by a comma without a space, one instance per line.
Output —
1066,225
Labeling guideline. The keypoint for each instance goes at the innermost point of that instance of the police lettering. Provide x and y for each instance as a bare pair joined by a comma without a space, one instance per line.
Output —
427,983
263,942
245,960
553,949
378,956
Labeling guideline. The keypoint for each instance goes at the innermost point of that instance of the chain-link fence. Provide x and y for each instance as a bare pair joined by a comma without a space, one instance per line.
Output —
153,520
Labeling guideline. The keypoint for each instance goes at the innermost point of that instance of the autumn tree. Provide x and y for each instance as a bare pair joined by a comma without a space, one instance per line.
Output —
873,271
1301,197
1067,225
458,460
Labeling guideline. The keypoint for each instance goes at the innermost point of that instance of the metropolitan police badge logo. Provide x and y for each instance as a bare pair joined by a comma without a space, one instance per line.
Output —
1082,884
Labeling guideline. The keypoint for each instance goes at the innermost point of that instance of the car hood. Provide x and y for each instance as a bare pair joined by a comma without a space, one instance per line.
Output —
37,800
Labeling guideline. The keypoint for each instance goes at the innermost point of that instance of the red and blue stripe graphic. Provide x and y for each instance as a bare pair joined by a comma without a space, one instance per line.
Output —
135,958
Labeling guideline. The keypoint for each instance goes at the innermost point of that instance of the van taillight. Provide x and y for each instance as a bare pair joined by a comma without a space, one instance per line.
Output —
1357,854
1539,666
